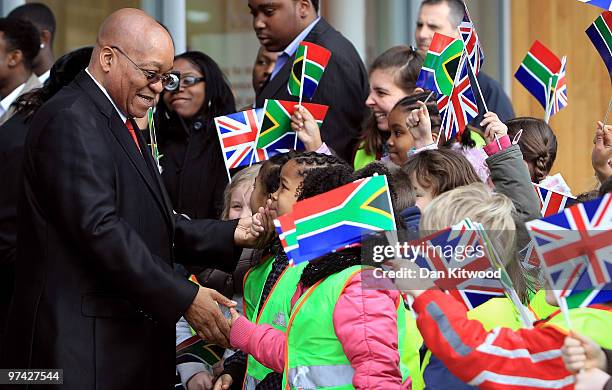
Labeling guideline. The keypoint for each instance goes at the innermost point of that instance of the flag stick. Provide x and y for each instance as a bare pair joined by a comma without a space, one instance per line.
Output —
605,121
548,99
153,137
301,90
565,311
428,96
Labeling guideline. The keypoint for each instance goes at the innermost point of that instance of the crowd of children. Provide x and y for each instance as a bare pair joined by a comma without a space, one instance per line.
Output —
315,326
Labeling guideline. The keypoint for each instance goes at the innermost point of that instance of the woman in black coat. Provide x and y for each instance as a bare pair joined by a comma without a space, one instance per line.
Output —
193,170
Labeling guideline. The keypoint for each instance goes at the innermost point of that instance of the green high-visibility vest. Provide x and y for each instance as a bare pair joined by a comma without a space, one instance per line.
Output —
594,321
362,158
253,283
315,358
275,312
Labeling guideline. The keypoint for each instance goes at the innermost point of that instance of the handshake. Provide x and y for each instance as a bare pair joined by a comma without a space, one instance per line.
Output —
206,318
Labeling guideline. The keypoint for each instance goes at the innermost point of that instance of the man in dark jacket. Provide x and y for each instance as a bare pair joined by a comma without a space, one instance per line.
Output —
280,27
444,17
95,291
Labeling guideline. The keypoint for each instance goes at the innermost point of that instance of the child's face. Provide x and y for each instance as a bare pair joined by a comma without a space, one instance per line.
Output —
400,141
286,195
424,195
239,206
259,194
384,93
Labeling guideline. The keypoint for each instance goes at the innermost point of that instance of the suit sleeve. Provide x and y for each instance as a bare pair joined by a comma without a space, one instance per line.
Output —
74,171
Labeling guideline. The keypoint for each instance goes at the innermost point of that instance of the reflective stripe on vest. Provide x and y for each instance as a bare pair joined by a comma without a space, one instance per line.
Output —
320,377
314,357
275,311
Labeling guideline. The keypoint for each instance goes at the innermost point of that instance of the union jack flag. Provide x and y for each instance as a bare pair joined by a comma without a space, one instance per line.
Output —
575,245
551,202
460,108
450,249
237,133
558,94
472,43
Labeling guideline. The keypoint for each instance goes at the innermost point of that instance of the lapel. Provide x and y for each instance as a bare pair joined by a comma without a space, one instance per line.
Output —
125,140
273,89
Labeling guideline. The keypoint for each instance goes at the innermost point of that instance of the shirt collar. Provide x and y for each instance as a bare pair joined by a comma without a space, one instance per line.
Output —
10,98
43,77
121,115
292,47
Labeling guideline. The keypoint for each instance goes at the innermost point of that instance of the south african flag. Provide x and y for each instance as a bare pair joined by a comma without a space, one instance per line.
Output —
275,134
308,67
539,72
441,64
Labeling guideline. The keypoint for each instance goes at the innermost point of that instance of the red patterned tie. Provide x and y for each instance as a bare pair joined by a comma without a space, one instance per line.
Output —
128,124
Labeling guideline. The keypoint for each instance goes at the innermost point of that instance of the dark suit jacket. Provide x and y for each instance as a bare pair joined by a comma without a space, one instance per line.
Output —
12,137
95,291
344,88
496,98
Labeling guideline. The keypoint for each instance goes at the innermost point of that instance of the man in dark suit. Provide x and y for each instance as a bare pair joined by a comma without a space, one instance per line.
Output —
444,17
280,27
95,291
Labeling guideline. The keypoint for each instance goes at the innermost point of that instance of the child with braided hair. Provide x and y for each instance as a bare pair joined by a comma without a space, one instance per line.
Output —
339,333
266,284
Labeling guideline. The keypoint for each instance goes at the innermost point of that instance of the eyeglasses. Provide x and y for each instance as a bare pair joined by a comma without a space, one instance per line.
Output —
186,81
152,77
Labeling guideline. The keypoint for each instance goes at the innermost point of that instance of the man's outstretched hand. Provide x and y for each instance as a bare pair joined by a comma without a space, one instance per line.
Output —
206,318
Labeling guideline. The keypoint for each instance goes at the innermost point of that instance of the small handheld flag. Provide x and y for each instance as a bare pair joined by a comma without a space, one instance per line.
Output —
275,134
308,67
537,70
441,64
605,4
237,133
600,33
458,109
575,246
472,43
340,217
558,94
551,201
454,269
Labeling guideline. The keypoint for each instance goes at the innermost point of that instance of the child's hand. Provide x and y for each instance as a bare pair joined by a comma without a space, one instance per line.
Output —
223,383
306,128
591,379
494,128
580,352
200,381
419,124
234,316
601,155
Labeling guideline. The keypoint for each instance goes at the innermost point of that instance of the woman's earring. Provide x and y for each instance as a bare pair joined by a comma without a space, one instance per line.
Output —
42,45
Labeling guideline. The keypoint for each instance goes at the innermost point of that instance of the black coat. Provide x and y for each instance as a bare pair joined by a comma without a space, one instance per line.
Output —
95,291
12,137
193,169
344,88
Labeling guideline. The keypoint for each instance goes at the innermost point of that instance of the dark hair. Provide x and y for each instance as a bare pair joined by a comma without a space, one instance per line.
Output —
63,71
457,9
23,36
400,181
315,5
408,63
39,14
538,144
218,99
409,103
270,170
441,169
